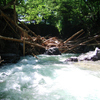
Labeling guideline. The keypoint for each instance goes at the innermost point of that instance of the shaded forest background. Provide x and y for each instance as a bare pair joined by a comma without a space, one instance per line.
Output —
45,17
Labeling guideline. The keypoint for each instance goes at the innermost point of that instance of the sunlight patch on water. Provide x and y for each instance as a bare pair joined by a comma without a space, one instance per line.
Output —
78,83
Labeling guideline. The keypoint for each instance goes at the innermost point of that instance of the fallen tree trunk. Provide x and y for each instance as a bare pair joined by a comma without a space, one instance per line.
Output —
21,41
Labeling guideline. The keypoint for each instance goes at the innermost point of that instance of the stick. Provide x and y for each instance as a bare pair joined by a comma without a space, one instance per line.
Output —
73,36
35,56
90,40
82,43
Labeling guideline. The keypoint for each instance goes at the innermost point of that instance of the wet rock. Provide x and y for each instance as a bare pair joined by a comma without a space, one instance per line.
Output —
72,59
53,51
96,55
90,56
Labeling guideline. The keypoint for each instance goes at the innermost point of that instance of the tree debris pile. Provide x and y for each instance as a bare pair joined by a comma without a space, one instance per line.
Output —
74,44
14,39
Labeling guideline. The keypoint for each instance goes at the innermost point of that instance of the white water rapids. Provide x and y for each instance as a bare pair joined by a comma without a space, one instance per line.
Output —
48,78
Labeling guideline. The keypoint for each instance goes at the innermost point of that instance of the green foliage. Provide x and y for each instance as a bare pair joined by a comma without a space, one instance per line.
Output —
64,14
4,2
34,10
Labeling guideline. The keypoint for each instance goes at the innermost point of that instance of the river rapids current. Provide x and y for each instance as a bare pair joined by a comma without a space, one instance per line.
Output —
49,78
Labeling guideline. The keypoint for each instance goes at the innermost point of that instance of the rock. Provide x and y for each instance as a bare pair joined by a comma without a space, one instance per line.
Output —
10,58
90,56
75,59
96,55
53,51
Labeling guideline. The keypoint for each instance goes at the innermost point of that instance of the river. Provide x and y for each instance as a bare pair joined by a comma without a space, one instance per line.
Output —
49,78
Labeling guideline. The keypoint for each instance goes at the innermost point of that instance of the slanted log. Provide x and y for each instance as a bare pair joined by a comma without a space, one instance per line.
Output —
73,36
22,30
35,56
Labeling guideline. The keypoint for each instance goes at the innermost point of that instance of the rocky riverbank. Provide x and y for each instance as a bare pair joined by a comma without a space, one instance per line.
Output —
89,56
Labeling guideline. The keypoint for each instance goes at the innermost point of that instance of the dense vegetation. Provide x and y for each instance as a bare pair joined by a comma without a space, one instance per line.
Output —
68,16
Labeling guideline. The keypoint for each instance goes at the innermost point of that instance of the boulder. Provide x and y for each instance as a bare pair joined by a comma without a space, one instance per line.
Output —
72,59
90,56
96,55
52,51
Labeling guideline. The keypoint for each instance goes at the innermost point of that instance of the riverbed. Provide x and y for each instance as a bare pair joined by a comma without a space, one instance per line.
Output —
50,78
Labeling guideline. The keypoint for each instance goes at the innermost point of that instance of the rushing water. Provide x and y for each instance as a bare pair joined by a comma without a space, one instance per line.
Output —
48,78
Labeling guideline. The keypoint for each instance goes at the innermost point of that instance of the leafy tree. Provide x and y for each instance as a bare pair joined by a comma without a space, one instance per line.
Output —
34,10
67,15
4,4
